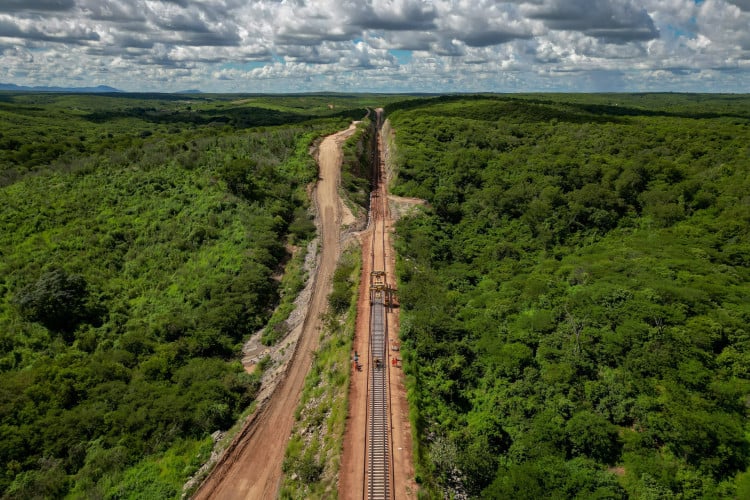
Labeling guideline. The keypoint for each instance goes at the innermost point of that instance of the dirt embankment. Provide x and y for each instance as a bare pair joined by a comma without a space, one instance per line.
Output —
250,467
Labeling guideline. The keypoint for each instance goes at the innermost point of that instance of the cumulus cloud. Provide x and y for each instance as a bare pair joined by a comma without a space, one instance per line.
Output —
36,5
404,40
726,26
742,4
392,15
115,11
420,45
484,22
51,31
613,20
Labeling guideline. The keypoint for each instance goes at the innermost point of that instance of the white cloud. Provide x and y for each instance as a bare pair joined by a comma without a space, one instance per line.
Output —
618,21
346,45
726,25
742,4
482,23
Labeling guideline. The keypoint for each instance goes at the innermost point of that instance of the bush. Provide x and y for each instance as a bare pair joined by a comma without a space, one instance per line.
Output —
57,300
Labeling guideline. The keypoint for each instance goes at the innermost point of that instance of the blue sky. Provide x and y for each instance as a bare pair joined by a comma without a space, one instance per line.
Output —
378,45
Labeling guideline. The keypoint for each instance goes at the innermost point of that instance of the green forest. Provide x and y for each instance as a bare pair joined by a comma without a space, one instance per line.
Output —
576,297
142,237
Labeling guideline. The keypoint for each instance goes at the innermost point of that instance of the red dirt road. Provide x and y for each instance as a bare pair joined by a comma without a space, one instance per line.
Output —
250,468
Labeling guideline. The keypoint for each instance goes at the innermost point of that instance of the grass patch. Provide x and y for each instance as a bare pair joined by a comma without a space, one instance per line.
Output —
313,456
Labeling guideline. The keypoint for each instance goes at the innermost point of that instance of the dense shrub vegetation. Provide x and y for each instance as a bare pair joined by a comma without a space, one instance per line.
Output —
356,168
140,236
576,298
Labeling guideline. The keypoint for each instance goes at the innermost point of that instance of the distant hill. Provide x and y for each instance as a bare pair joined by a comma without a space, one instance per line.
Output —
190,91
82,90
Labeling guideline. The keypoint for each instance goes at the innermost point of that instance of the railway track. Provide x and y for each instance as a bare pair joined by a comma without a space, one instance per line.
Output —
379,456
379,450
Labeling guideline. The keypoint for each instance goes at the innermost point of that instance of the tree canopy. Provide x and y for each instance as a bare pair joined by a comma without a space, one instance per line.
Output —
141,239
575,298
